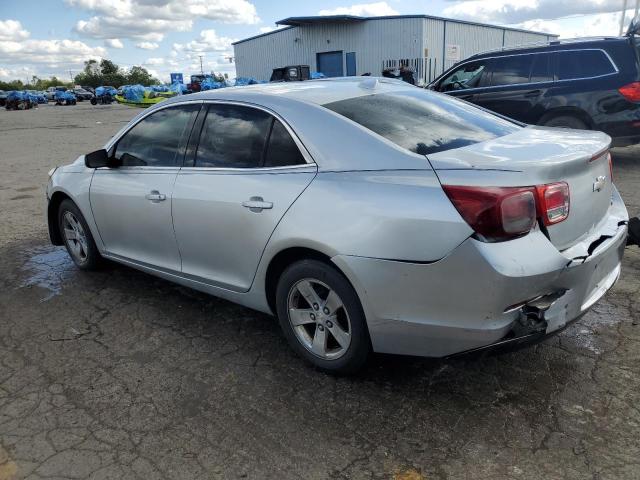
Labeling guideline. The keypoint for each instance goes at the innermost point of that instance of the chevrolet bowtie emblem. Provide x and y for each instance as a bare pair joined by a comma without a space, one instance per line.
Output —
599,183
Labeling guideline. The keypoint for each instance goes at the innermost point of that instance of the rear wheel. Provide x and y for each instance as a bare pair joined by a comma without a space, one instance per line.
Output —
566,121
321,317
77,237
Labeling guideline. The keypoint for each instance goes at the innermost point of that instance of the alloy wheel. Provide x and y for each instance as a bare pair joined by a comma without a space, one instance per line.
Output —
319,319
75,236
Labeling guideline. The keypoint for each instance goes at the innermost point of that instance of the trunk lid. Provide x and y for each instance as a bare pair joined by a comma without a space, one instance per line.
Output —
538,156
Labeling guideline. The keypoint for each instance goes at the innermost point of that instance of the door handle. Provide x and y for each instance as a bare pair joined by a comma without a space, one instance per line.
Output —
533,93
155,196
257,204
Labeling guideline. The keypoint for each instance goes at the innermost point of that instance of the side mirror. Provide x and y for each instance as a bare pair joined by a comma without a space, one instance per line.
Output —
99,158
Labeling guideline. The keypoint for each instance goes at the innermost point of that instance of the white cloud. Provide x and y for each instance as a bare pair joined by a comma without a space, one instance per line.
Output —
603,24
518,11
155,61
149,20
377,9
114,43
207,41
48,52
147,45
146,29
22,56
185,57
12,30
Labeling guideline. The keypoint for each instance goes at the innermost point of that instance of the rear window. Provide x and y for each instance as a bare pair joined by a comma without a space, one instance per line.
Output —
583,64
423,122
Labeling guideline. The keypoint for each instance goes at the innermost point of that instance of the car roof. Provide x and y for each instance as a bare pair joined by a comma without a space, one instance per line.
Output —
556,45
319,91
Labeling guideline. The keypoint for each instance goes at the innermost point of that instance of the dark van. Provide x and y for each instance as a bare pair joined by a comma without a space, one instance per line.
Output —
582,83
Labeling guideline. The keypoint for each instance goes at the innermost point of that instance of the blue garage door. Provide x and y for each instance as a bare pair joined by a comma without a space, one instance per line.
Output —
350,59
330,63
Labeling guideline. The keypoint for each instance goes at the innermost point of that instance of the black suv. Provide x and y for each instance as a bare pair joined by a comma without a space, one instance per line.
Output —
582,83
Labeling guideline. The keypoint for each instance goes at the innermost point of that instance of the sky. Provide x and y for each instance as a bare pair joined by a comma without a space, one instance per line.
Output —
55,37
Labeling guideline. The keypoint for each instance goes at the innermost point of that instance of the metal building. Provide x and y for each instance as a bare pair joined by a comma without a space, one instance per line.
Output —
339,45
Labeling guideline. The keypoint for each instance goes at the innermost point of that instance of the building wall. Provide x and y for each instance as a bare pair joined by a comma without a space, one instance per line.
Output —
374,41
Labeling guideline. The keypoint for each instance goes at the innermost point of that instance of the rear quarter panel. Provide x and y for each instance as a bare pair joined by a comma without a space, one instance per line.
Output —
399,215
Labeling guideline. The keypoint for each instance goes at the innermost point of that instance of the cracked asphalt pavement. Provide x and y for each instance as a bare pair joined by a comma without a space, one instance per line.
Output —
120,375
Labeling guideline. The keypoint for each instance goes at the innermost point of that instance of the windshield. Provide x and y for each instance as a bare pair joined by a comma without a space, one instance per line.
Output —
423,122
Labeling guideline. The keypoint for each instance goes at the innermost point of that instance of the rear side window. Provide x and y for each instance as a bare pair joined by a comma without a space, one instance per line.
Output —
541,69
511,70
233,136
583,64
423,122
157,140
282,150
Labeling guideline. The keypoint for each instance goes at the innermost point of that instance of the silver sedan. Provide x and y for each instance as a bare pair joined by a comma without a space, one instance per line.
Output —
367,214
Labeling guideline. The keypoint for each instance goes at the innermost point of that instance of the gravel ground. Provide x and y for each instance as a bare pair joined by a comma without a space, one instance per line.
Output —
117,374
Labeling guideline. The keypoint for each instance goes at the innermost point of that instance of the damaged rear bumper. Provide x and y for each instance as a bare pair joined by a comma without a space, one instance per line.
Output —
477,295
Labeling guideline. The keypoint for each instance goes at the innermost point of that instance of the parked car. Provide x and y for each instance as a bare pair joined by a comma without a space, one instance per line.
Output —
82,94
51,92
89,89
591,84
292,73
3,98
366,213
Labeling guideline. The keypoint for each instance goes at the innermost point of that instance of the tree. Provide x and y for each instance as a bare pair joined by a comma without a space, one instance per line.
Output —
140,75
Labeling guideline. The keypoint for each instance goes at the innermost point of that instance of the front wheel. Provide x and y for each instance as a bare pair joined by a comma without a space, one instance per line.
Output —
322,318
77,237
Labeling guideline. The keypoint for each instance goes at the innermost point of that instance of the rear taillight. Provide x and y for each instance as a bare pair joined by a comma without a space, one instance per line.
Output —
503,213
495,213
553,202
631,91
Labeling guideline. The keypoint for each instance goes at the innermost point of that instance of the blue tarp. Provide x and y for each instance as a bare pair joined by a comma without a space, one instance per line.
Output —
159,88
133,93
178,88
211,84
316,75
64,96
243,81
17,95
100,91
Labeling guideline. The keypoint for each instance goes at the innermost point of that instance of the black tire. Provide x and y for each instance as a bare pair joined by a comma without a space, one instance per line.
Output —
91,259
94,101
357,353
566,121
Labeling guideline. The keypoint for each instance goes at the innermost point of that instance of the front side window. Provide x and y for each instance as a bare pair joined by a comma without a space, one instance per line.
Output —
157,140
574,64
423,122
467,76
511,70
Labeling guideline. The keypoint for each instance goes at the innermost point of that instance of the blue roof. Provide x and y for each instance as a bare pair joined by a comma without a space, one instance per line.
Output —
292,22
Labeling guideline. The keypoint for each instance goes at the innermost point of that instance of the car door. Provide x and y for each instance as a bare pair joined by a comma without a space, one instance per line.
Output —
131,203
516,85
246,171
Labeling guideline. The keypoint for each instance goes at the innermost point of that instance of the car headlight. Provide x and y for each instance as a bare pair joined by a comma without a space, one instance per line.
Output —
52,171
